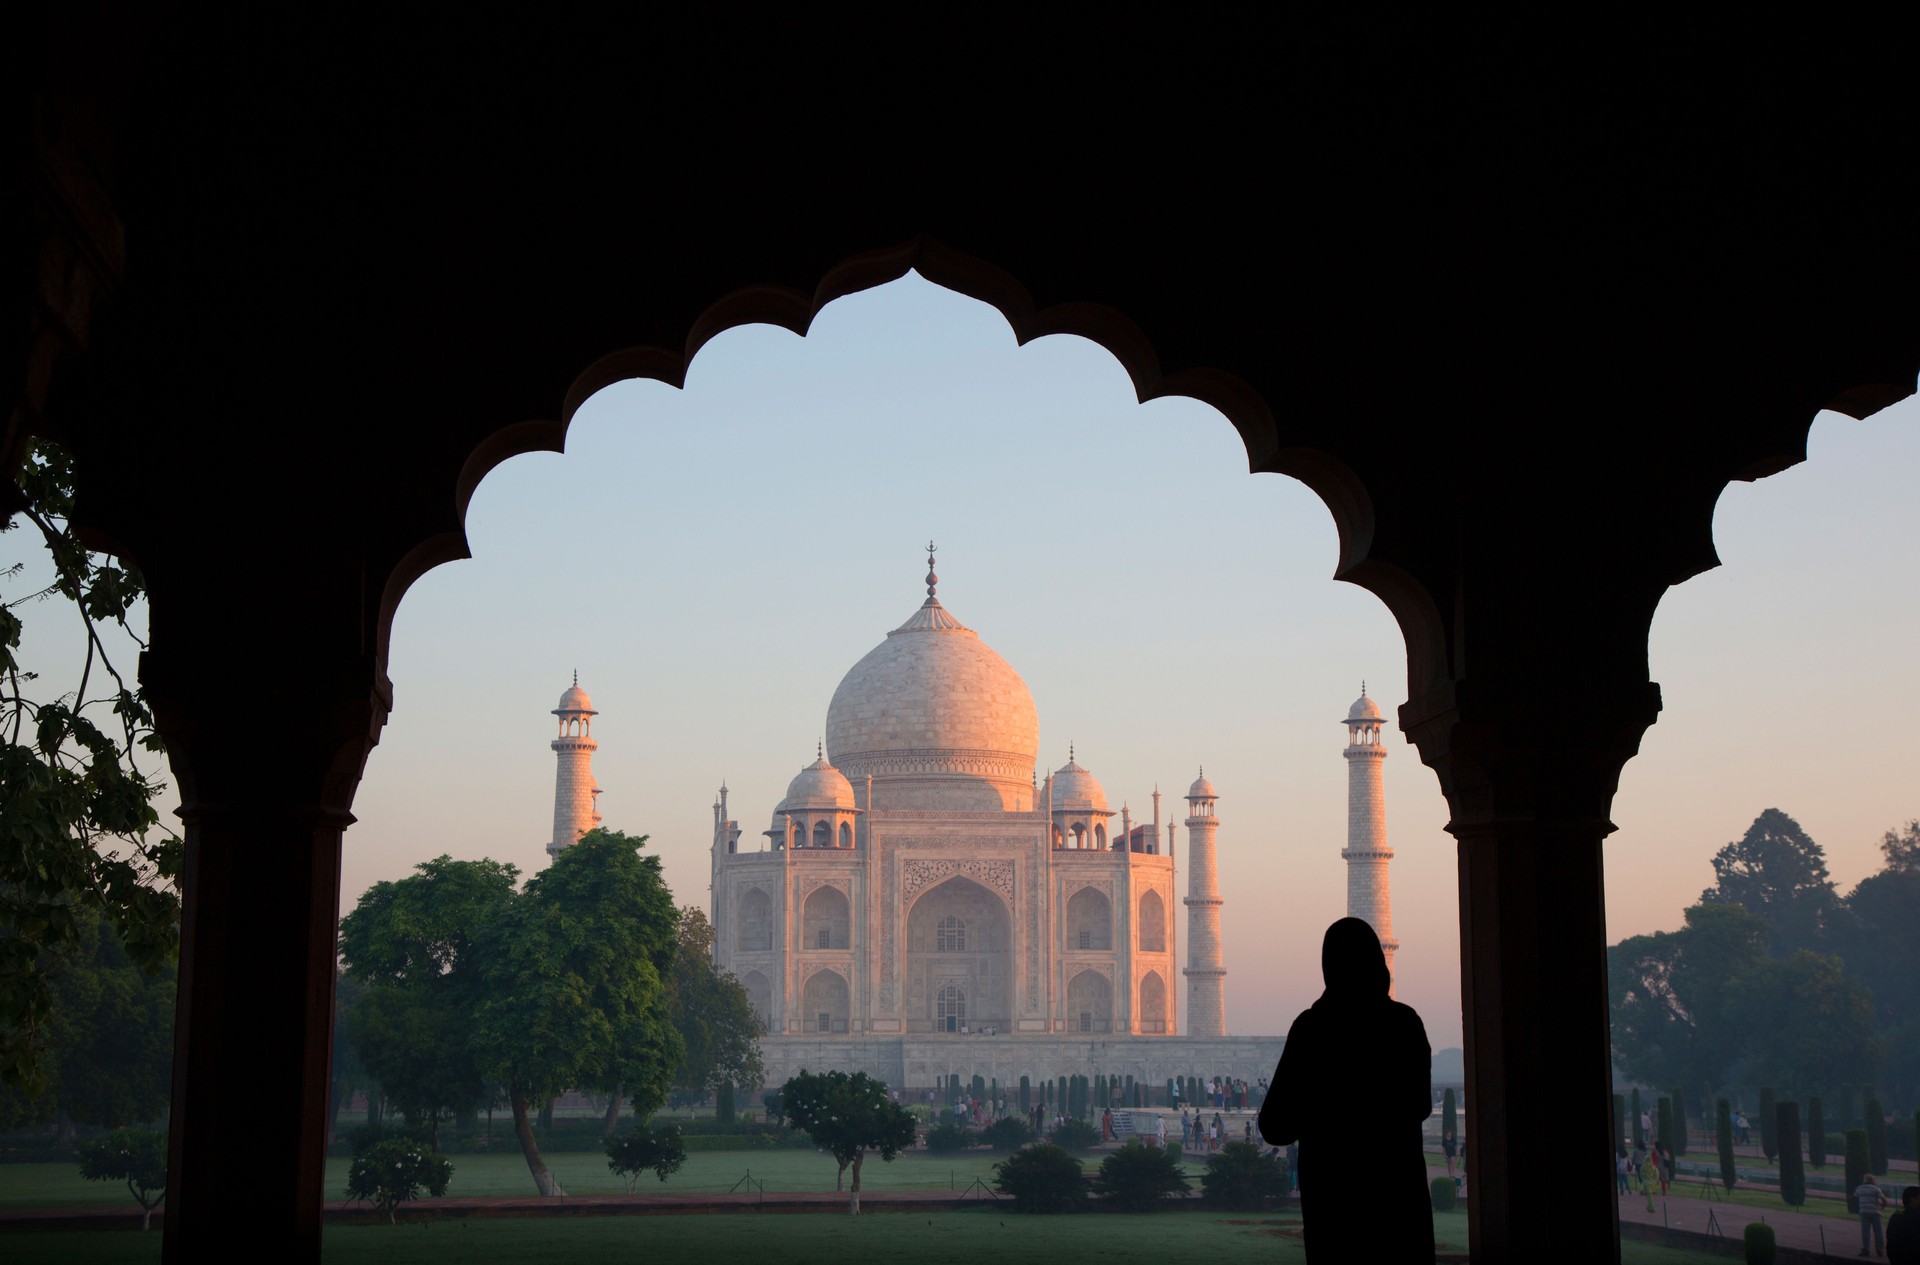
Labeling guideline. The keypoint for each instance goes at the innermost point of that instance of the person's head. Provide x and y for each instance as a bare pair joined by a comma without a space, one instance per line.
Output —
1870,1180
1352,962
1910,1197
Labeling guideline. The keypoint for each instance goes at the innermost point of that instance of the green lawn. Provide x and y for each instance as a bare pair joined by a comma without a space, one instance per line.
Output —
941,1238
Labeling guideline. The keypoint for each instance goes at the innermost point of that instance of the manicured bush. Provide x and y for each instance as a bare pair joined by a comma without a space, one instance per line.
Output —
1639,1124
771,1101
1679,1123
137,1157
1876,1138
1816,1133
1759,1244
1174,1149
1793,1172
641,1149
1769,1126
1009,1133
1242,1177
1042,1178
1075,1135
1663,1123
723,1105
1723,1141
397,1171
1619,1120
1444,1191
1026,1094
947,1138
1857,1169
1138,1178
979,1087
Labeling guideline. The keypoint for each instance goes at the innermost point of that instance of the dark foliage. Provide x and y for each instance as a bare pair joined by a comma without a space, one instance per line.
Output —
1793,1172
1857,1169
1444,1191
1816,1133
1009,1133
1769,1126
1042,1178
1876,1122
1723,1141
1075,1135
1139,1178
948,1138
1241,1176
1758,1243
641,1149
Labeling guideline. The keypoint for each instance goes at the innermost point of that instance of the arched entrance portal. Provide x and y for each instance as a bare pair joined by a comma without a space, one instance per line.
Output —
959,960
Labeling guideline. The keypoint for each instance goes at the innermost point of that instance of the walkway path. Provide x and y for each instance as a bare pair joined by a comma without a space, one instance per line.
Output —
1803,1230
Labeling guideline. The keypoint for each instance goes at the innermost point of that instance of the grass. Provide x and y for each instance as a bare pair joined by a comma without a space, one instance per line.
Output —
941,1238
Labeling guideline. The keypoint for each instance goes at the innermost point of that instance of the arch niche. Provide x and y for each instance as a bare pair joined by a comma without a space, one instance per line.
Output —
755,922
1153,1003
1153,924
826,1002
825,922
1090,1003
1089,920
960,939
760,997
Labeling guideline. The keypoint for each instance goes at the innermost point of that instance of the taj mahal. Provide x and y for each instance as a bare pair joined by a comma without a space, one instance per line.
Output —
925,903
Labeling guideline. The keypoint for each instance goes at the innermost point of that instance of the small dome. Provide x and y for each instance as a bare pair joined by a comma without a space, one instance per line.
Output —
819,785
1076,790
1201,788
1363,708
575,700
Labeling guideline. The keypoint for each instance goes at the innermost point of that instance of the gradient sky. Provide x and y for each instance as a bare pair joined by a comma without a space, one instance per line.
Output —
712,560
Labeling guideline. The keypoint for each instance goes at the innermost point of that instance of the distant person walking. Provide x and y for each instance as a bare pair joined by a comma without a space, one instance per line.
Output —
1871,1200
1620,1169
1363,1172
1449,1148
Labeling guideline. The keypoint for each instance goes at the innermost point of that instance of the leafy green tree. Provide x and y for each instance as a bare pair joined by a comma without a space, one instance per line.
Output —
1679,1012
1139,1178
137,1157
397,1171
1042,1178
1793,1173
414,944
83,839
1878,938
1663,1123
948,1138
642,1149
718,1025
1901,847
1816,1133
1679,1121
1812,1026
847,1116
1242,1177
1008,1133
576,985
1075,1135
1026,1095
1779,874
1723,1142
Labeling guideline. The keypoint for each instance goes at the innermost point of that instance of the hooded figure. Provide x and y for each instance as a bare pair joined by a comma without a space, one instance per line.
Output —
1353,1088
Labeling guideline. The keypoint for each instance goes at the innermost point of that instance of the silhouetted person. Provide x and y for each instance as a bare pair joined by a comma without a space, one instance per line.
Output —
1903,1230
1353,1088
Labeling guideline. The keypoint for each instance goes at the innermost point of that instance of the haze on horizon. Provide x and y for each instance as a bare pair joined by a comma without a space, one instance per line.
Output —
712,560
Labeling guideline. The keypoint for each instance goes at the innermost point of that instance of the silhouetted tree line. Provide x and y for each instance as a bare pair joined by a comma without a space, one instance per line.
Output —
1777,979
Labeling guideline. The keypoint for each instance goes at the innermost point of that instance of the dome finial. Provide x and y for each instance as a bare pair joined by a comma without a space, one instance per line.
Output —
820,749
576,676
932,579
1069,753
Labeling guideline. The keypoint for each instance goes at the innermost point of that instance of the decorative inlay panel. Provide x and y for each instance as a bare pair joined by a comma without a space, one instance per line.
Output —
918,874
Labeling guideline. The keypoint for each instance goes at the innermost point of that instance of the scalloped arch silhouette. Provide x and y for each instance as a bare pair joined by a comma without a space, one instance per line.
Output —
1338,487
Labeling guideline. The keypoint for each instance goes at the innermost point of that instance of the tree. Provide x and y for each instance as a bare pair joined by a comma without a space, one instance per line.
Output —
1779,874
397,1171
1769,1126
137,1157
1138,1178
1811,1025
414,944
1857,1169
1639,1123
1042,1178
1877,937
1816,1133
575,985
1679,1015
642,1149
1901,847
1242,1177
1450,1115
718,1025
1793,1173
1876,1137
1619,1121
847,1116
1008,1133
1679,1122
1723,1142
76,801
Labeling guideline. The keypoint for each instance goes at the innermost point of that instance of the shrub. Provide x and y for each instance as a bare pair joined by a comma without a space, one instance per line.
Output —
1173,1149
1138,1178
1444,1192
771,1101
1242,1177
1759,1244
397,1171
641,1148
1816,1134
723,1106
1769,1127
1450,1116
1857,1169
1723,1140
1793,1173
1009,1133
1679,1123
948,1138
1075,1135
1026,1095
1042,1178
1876,1137
137,1157
1663,1123
1639,1125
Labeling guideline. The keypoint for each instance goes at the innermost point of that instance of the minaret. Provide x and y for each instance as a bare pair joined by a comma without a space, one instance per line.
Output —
1367,852
573,785
1206,977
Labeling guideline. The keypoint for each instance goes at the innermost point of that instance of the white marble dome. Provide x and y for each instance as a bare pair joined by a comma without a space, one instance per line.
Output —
1201,788
1076,790
575,700
1363,708
934,705
819,785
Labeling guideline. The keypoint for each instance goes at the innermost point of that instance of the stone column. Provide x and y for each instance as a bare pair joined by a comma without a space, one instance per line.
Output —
1369,896
264,790
1205,972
